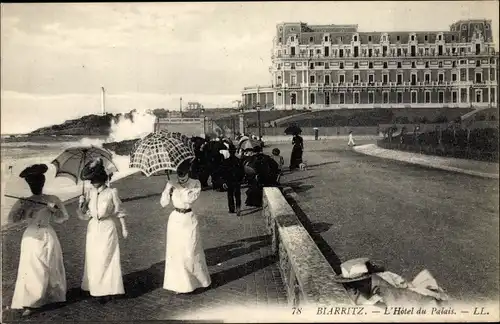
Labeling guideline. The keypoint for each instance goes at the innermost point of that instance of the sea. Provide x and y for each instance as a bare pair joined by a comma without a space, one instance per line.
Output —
17,155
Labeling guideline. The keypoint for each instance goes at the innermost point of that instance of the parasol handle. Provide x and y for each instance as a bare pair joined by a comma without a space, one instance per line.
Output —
30,200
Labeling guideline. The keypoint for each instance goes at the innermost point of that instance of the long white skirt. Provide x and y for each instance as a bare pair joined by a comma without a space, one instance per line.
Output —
185,265
41,277
102,274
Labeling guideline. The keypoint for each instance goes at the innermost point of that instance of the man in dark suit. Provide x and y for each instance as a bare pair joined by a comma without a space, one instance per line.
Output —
232,175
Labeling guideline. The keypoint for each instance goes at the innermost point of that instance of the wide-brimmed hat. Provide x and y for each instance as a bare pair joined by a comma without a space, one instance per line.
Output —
34,170
356,270
94,169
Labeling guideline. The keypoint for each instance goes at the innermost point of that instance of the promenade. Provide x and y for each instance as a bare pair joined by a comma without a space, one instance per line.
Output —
404,216
242,268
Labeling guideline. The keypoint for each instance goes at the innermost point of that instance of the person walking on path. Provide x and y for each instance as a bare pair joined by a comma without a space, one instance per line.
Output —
41,277
232,174
280,161
185,264
351,140
101,205
297,151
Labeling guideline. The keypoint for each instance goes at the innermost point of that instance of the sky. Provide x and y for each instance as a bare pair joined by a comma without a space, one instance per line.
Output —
56,57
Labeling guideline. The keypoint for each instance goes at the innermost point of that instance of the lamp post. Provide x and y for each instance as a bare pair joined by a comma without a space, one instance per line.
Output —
242,120
258,118
204,120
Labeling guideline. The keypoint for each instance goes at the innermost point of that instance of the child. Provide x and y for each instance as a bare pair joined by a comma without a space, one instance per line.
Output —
351,140
279,159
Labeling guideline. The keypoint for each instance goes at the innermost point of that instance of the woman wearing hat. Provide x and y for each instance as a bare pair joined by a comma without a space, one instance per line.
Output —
101,205
41,277
185,265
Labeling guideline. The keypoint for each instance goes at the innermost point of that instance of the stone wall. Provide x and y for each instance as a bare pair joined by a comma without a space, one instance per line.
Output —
306,274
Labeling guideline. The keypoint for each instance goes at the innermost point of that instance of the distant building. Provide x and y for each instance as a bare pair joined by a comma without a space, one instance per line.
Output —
194,106
335,66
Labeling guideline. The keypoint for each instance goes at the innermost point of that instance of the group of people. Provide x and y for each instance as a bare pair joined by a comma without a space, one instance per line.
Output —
41,277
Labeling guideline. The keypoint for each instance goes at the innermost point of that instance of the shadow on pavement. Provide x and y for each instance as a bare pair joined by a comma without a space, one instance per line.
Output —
315,166
236,249
300,187
320,227
225,276
141,197
314,231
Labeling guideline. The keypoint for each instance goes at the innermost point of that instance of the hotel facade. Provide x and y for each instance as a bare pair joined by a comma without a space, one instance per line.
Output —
335,67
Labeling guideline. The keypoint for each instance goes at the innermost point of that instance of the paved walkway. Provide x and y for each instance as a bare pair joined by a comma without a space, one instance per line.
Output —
471,167
242,269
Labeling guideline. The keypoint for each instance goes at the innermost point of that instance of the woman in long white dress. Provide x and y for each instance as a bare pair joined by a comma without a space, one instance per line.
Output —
185,265
101,205
41,277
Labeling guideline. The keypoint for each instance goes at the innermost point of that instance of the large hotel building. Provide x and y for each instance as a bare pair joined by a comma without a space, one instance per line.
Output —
335,66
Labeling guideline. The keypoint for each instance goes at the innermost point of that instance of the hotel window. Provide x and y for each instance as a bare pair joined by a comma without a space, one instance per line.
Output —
413,65
452,38
370,65
427,77
356,78
311,52
342,98
426,38
399,65
279,40
492,74
292,66
356,65
400,78
384,50
454,64
326,38
454,77
479,77
413,79
318,51
440,50
312,99
311,66
369,38
385,65
370,78
312,79
398,51
356,97
311,39
386,97
398,38
412,51
492,95
327,79
355,38
341,79
413,97
341,65
441,78
440,64
370,97
293,80
478,63
370,52
400,97
454,96
441,97
453,50
292,39
341,53
440,37
412,37
327,65
427,97
385,78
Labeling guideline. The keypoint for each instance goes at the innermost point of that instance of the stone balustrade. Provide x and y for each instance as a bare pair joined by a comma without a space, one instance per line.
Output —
306,274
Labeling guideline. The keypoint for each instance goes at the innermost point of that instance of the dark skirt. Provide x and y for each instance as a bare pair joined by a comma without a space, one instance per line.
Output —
254,195
296,157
